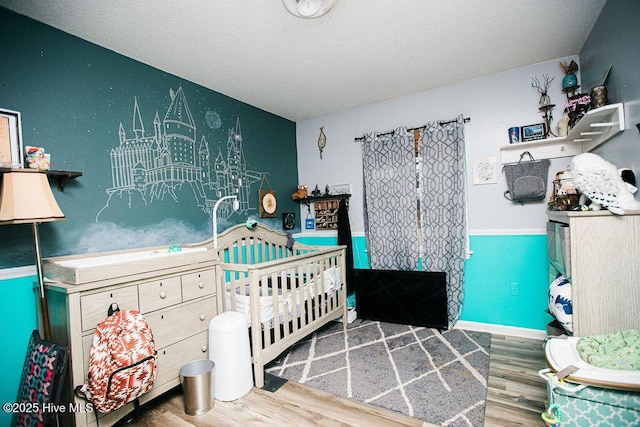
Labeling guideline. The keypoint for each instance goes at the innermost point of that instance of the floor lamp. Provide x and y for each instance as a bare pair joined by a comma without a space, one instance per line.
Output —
26,198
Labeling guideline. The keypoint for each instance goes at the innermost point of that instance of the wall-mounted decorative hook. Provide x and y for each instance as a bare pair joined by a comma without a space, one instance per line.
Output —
322,141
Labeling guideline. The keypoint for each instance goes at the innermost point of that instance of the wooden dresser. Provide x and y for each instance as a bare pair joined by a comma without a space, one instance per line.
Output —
175,292
602,260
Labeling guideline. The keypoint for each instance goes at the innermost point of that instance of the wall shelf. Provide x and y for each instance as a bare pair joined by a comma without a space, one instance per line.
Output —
594,129
325,209
311,199
63,176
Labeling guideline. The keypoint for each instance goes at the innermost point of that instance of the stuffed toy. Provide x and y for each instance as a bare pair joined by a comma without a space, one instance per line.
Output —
36,158
301,193
601,182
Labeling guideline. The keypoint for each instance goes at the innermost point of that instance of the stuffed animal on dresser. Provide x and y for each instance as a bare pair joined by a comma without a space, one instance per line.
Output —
601,182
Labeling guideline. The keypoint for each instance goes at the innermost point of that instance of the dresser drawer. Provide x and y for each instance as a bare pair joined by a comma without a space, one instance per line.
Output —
176,323
159,294
173,357
95,307
196,285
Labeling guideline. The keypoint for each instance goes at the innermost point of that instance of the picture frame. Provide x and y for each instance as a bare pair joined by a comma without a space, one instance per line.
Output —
533,132
485,171
336,189
11,147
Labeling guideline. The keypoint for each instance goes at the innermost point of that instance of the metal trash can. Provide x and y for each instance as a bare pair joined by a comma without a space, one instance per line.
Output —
197,380
230,350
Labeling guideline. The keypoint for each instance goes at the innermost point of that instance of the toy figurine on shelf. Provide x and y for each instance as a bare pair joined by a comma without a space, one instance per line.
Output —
301,193
577,104
36,158
577,107
570,80
563,125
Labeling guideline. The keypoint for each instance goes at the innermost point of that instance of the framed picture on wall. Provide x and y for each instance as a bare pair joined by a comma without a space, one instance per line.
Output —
10,139
340,189
533,132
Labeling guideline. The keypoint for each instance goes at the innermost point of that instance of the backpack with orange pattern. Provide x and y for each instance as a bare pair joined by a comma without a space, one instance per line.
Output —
122,362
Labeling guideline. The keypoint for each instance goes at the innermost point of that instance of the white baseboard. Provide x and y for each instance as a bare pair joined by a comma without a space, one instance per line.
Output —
513,331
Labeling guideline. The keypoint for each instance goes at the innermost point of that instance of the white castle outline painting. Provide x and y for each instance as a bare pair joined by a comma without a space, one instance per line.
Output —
156,164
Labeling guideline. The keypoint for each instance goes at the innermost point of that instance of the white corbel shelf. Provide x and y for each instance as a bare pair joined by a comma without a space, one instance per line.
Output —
595,128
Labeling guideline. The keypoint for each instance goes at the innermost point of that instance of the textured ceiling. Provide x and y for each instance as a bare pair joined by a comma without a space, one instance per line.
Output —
361,52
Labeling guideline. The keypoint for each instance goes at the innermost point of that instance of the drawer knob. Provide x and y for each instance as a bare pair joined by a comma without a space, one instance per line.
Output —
163,294
204,348
202,317
201,285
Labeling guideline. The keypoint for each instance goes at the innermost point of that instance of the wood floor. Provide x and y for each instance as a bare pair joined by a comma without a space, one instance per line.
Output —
515,397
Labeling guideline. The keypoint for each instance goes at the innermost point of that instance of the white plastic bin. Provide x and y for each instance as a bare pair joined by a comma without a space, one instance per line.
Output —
229,350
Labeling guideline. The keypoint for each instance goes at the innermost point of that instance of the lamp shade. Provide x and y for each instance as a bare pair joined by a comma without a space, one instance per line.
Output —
27,198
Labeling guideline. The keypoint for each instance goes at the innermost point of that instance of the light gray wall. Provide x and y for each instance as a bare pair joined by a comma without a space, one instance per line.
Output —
494,103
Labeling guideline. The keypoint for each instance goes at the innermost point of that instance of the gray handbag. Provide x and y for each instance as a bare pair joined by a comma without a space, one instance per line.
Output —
527,179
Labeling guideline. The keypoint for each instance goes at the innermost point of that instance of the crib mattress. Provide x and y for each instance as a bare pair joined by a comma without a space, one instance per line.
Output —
561,352
287,299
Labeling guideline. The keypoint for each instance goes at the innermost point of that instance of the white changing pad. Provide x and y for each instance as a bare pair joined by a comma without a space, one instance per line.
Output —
561,352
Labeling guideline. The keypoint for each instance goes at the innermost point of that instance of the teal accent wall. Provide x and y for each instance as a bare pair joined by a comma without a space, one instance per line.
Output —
496,263
86,105
360,259
18,319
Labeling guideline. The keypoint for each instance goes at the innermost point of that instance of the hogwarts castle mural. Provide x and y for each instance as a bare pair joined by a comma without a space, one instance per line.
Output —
157,165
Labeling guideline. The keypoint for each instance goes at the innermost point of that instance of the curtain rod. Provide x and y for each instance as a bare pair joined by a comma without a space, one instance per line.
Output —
465,120
378,135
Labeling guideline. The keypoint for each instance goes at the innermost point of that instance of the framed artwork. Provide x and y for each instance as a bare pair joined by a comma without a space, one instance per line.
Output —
533,132
484,171
10,139
288,220
340,189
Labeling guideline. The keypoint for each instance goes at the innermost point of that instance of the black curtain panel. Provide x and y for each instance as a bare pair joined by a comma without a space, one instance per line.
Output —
344,238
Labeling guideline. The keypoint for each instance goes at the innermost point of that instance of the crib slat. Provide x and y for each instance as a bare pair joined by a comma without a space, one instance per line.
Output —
255,250
305,303
330,296
289,298
296,297
276,307
256,330
263,250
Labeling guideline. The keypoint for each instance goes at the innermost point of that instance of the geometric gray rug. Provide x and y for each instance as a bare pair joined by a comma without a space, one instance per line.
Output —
438,377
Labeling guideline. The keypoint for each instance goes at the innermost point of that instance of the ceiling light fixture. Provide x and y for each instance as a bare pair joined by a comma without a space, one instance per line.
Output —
308,8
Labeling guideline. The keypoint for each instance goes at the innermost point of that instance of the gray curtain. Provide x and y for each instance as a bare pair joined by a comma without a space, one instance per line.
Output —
390,217
443,207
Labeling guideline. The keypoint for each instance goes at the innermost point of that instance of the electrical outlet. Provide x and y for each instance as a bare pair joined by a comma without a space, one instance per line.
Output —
515,289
